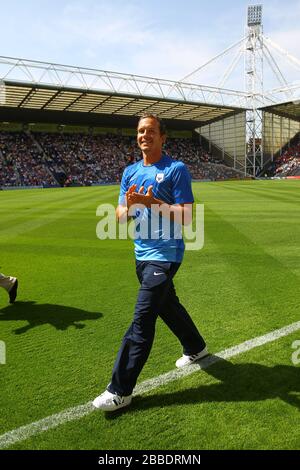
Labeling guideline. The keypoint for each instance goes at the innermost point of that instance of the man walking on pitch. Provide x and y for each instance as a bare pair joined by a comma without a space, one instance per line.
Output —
10,284
156,191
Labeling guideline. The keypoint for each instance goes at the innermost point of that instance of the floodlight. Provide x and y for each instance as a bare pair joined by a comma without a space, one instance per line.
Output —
254,15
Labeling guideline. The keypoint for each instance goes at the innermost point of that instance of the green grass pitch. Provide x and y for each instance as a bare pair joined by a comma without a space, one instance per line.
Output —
76,299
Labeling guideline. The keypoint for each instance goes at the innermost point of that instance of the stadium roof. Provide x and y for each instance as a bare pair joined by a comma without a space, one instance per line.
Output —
36,86
50,98
289,110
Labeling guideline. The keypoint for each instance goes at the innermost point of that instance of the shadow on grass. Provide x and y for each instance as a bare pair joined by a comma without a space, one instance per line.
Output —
238,383
59,316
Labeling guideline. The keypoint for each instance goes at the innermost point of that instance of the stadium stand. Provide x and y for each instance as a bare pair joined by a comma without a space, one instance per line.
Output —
22,162
288,164
52,159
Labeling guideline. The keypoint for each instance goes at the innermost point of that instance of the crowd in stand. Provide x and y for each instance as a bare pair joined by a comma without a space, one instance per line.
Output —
84,160
47,159
22,162
200,163
288,164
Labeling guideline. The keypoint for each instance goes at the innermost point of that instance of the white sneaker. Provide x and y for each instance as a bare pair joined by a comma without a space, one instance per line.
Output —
187,360
108,401
13,291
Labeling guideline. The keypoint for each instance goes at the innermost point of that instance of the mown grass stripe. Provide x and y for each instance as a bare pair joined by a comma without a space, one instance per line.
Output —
71,414
48,203
47,217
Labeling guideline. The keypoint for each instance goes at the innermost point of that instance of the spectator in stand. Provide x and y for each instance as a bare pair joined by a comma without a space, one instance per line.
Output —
288,164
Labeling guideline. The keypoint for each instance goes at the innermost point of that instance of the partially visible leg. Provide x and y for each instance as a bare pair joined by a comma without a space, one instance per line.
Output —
10,284
176,317
6,281
138,340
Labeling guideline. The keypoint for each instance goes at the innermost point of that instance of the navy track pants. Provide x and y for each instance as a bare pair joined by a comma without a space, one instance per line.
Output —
156,297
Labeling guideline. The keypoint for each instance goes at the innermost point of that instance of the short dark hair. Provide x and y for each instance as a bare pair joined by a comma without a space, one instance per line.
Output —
161,124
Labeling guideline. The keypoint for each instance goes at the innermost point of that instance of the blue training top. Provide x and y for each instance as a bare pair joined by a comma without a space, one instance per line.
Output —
156,237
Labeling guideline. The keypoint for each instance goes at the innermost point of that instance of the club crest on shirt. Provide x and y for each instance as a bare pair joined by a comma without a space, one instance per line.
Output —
160,177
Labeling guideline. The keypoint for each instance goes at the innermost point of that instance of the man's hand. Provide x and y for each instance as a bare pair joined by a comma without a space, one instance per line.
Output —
130,191
134,198
139,197
122,214
179,213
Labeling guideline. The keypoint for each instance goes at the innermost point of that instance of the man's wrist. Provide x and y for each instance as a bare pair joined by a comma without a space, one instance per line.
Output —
157,204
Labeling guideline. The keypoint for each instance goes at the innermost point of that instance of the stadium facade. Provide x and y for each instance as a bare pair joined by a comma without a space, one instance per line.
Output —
246,130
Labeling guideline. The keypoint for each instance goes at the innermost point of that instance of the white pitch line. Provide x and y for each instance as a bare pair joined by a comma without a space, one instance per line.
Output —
77,412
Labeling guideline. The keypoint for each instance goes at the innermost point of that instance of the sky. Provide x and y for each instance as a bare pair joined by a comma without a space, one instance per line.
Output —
157,38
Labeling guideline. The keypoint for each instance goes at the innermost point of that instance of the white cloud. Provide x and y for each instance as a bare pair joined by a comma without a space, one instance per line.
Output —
171,57
129,42
289,40
132,38
102,26
280,14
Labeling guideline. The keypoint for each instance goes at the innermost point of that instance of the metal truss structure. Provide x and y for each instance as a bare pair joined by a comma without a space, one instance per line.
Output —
65,76
254,85
257,50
